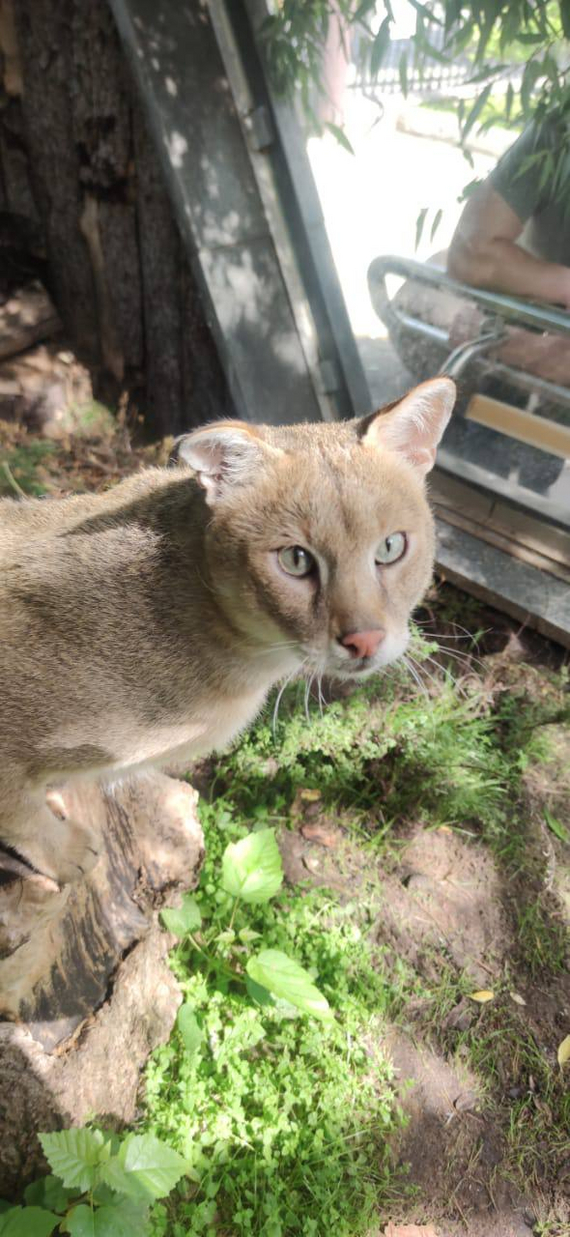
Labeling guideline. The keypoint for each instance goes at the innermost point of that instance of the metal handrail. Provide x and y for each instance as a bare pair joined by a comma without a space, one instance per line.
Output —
510,308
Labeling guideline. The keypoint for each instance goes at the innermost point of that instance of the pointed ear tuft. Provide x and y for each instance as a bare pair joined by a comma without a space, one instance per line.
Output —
415,425
223,455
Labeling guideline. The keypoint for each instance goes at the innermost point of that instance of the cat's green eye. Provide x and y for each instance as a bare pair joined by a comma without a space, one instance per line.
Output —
296,561
391,549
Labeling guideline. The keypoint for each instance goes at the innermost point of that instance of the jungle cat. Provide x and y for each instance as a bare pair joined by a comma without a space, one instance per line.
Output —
146,625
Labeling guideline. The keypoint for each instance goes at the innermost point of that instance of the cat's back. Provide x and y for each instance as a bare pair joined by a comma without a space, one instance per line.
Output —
85,571
36,524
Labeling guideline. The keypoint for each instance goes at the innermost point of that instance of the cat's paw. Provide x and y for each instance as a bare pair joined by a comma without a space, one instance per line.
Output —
81,855
63,849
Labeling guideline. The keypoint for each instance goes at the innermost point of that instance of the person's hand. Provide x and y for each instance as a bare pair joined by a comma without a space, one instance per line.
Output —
566,290
547,356
466,324
559,291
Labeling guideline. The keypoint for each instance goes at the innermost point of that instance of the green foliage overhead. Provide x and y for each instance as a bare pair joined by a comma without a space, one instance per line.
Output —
519,52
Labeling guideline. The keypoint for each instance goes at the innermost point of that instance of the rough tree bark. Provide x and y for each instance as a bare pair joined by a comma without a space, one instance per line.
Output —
85,988
77,165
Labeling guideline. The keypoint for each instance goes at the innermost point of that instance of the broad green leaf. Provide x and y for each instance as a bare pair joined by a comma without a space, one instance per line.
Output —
81,1222
190,1031
144,1169
49,1192
564,1052
247,935
286,979
104,1196
558,829
252,869
258,994
75,1156
182,919
28,1222
123,1219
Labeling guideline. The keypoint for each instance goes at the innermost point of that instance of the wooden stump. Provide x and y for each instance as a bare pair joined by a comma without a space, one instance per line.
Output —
85,988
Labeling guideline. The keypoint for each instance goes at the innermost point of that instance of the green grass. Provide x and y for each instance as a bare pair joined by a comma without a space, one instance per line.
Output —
379,748
525,1087
288,1122
18,469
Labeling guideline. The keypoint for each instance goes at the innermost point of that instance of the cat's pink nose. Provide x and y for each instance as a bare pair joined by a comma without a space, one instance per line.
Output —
363,643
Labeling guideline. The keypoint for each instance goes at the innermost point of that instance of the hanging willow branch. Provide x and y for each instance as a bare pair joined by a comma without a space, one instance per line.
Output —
518,52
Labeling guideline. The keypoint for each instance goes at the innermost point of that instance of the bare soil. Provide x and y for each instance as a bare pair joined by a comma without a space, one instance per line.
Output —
447,905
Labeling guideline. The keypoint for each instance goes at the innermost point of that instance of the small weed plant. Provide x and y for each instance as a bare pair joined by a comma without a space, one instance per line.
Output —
99,1186
271,1090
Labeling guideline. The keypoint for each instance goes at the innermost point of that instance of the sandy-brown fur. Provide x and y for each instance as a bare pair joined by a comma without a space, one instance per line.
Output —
145,626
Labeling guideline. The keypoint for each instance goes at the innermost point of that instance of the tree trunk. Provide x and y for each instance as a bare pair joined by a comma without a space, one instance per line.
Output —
85,988
77,164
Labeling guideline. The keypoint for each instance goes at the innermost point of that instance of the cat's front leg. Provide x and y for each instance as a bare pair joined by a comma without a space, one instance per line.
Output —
38,830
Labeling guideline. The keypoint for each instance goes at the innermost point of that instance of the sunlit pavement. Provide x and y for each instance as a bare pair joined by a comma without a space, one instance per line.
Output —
371,201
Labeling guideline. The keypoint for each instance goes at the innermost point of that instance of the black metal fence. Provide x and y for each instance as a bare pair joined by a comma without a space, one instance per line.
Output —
398,72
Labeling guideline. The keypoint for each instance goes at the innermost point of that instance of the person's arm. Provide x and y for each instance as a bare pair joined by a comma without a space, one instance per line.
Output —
484,253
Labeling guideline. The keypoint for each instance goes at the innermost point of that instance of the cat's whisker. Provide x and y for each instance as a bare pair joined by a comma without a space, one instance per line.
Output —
466,635
422,669
442,635
308,685
412,670
322,701
270,648
456,681
444,671
437,679
414,674
463,659
284,685
275,648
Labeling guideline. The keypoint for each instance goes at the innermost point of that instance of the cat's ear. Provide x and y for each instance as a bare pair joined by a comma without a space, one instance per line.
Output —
223,455
413,427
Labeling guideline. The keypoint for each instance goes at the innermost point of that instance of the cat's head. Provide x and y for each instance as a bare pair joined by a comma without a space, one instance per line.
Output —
320,540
